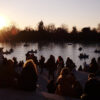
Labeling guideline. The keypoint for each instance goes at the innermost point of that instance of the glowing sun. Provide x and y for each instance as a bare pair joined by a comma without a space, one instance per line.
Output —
3,22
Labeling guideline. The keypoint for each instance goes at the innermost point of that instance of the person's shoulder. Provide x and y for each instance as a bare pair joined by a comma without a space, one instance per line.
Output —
93,81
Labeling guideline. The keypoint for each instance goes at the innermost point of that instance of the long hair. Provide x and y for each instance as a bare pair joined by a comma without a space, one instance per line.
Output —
30,63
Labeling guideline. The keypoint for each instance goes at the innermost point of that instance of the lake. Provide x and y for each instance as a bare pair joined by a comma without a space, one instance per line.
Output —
63,49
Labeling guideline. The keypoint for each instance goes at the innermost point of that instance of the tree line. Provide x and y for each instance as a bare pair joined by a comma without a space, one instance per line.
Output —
50,33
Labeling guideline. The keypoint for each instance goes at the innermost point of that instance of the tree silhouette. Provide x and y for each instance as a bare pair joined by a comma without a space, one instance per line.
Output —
50,28
41,26
74,30
49,33
98,28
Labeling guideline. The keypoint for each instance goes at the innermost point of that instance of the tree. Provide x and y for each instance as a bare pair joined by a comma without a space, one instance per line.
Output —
74,30
65,27
98,28
41,26
50,28
86,30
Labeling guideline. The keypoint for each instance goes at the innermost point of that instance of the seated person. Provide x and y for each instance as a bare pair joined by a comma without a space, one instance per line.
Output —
29,76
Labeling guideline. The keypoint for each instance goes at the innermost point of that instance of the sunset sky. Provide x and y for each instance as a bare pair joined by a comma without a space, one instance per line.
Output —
79,13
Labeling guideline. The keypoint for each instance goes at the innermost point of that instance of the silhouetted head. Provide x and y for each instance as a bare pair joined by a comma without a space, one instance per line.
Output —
68,60
93,60
30,63
21,63
64,72
14,58
41,56
60,58
52,57
1,49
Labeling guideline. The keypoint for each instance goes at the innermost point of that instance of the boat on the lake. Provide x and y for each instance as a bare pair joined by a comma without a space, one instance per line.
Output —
83,56
80,49
8,51
97,51
69,43
32,51
26,45
11,50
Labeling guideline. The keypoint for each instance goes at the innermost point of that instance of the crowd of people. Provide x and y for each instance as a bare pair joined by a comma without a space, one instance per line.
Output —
62,81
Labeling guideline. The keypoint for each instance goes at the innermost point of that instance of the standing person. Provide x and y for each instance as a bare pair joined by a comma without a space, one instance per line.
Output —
86,67
60,64
70,64
93,67
98,62
29,76
1,56
51,67
41,64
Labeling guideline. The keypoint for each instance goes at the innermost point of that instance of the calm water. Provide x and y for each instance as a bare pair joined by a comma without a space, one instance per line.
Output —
65,50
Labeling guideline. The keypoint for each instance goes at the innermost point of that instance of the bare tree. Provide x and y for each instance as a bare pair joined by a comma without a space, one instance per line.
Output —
50,28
